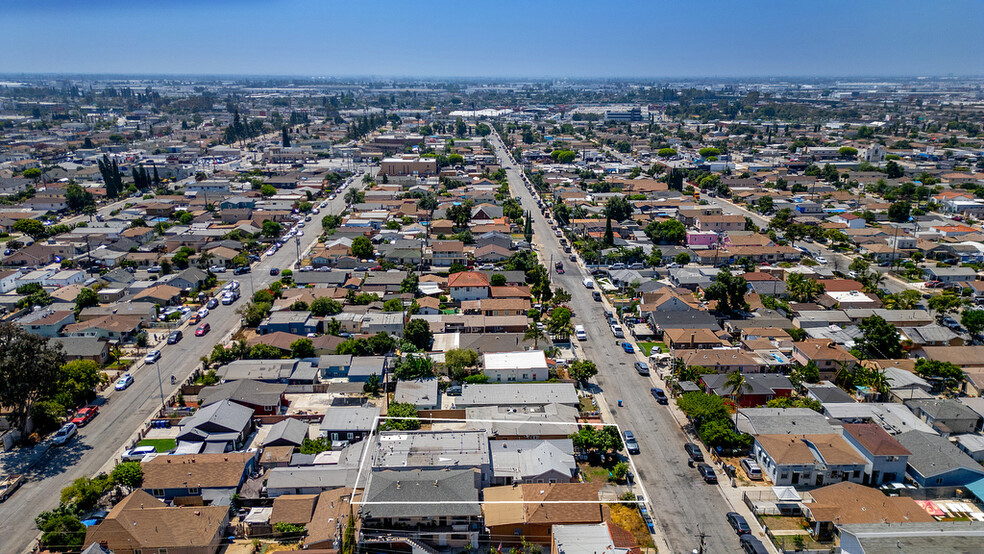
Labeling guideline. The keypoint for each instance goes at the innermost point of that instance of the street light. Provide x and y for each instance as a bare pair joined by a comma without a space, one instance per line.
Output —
160,385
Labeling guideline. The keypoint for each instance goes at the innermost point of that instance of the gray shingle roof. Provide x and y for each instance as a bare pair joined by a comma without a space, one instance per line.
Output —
935,455
422,493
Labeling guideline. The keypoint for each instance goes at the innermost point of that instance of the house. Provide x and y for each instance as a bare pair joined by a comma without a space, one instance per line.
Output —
83,348
531,510
289,432
886,458
782,421
939,536
468,285
724,360
190,279
262,398
270,371
330,518
758,390
165,295
517,395
142,523
445,253
948,275
946,415
532,461
223,426
828,356
46,322
109,328
848,503
295,323
348,423
808,460
421,393
215,477
935,462
585,538
440,508
692,339
852,221
526,365
363,367
334,366
549,421
437,449
64,278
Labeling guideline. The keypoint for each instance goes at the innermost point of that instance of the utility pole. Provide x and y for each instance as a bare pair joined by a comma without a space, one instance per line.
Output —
700,538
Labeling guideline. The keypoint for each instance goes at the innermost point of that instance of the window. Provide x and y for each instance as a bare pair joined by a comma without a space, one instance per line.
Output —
194,490
351,436
334,437
157,492
161,551
939,480
857,473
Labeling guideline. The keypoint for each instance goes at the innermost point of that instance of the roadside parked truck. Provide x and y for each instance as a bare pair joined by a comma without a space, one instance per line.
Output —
9,484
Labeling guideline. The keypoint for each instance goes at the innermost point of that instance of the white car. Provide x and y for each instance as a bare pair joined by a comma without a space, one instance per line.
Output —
300,233
821,260
217,269
124,381
203,313
152,356
64,434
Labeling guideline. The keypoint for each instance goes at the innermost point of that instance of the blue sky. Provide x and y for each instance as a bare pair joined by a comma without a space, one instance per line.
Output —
494,37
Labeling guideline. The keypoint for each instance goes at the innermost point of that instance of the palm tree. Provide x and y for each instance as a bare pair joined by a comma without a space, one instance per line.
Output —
872,281
533,333
878,381
738,385
845,376
803,289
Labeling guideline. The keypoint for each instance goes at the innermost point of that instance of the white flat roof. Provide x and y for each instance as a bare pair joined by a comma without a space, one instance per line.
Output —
525,359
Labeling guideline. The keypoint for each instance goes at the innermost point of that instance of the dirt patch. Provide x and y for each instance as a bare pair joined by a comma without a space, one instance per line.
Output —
780,523
629,518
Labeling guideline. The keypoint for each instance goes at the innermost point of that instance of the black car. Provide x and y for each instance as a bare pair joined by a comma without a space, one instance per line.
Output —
174,337
212,303
659,395
694,452
641,368
707,472
274,271
751,545
631,446
243,269
738,523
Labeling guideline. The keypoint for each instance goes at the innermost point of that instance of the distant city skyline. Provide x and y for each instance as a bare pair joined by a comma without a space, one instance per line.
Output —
507,39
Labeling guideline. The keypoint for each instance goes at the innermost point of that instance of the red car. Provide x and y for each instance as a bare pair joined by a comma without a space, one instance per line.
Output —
203,330
85,415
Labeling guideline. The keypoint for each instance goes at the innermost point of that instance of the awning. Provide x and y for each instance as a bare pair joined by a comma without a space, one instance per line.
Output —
786,494
977,487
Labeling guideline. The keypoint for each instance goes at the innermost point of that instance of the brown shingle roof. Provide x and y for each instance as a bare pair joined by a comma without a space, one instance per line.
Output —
293,508
209,470
875,439
795,449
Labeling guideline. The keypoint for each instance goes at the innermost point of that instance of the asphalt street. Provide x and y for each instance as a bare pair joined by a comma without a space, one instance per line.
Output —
682,504
123,413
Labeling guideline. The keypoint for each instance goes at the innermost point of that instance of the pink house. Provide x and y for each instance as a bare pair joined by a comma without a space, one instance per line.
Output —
702,239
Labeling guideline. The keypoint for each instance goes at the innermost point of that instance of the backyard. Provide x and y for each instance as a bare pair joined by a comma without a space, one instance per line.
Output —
162,445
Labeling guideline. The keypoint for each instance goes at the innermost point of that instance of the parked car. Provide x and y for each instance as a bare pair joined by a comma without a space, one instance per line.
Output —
693,451
274,271
203,313
212,303
64,434
707,472
124,381
203,330
751,469
241,270
154,269
627,347
659,395
152,356
217,269
641,368
738,523
631,446
751,545
85,415
175,336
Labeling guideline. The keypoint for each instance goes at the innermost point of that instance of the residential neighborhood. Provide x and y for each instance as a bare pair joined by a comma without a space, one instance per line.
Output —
246,315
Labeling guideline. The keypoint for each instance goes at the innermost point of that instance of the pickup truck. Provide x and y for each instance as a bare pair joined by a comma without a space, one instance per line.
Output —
9,484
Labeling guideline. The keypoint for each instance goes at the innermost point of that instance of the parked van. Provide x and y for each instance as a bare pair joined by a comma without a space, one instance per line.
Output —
752,469
596,295
579,332
588,283
617,331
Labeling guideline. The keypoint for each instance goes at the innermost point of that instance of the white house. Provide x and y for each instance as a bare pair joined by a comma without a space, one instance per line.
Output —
528,365
8,280
64,278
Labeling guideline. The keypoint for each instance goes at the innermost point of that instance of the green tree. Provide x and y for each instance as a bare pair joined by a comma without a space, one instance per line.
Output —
362,248
412,367
409,284
973,321
87,298
618,208
302,348
404,410
77,380
803,289
268,190
265,352
729,290
29,371
666,152
945,303
393,305
847,152
84,493
702,407
766,204
255,312
899,211
582,370
62,532
271,228
708,152
669,231
459,361
324,306
128,474
609,239
315,446
30,227
879,339
418,333
682,258
533,333
948,373
737,385
371,386
333,327
894,170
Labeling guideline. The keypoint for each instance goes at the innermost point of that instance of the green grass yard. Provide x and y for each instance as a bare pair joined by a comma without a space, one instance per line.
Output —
162,445
647,347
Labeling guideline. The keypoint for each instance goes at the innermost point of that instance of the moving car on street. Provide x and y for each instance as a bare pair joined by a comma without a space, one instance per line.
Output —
124,382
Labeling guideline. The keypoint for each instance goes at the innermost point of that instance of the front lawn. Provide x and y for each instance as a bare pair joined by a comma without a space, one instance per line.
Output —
162,445
647,347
